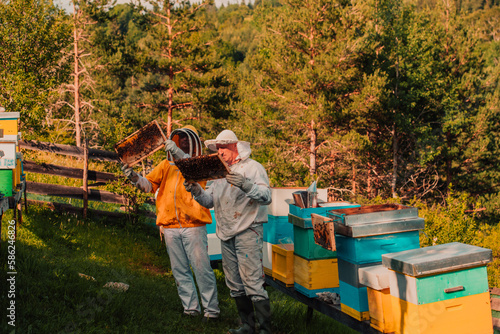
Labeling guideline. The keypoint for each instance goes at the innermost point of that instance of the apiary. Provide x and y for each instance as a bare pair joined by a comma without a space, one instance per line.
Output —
141,144
440,289
202,168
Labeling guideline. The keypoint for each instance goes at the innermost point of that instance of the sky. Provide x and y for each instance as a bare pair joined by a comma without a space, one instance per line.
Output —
68,6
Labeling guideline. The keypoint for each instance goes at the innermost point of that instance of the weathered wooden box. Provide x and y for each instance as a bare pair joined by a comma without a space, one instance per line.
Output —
306,247
370,249
283,263
316,274
141,144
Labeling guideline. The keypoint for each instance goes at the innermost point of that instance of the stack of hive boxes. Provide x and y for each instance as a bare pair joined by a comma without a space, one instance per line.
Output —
362,236
440,289
11,173
315,267
278,233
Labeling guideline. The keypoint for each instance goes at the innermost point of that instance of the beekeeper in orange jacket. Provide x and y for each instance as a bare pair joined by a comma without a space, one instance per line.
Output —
183,222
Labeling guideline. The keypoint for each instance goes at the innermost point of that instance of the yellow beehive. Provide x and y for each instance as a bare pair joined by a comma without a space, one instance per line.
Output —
360,316
316,274
464,315
9,125
283,263
380,305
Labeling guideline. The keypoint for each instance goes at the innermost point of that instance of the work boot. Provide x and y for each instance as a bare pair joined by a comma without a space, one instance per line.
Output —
263,315
245,310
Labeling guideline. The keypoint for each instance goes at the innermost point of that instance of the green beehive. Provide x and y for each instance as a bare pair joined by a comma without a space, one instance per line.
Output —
6,182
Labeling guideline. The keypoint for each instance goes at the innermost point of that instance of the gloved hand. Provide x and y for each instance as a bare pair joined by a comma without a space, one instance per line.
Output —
171,147
239,181
129,173
193,187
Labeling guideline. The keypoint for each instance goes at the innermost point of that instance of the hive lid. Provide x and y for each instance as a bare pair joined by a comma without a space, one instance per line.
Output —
437,259
375,277
9,115
373,213
380,228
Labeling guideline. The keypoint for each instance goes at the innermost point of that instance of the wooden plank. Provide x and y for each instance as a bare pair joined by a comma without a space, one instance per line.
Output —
75,173
495,304
69,150
92,212
332,311
73,192
495,291
496,323
76,192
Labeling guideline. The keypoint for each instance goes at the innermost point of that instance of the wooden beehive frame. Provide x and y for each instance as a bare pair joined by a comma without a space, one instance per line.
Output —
203,168
141,144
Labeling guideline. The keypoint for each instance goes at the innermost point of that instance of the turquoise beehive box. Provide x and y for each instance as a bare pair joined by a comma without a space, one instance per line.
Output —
438,273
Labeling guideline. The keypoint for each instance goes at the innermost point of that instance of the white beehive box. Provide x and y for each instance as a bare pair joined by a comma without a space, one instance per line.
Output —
7,154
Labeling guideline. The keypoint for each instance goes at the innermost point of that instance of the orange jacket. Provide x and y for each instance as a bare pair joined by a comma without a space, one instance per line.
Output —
175,207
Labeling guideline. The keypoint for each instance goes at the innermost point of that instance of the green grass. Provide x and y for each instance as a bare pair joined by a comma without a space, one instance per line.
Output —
53,249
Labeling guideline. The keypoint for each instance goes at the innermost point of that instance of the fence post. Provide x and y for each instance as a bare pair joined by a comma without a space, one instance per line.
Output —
85,178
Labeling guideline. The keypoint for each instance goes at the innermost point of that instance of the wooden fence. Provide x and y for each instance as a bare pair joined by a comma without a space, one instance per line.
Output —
89,179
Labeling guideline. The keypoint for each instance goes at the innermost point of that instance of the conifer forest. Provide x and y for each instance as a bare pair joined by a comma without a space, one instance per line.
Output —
371,98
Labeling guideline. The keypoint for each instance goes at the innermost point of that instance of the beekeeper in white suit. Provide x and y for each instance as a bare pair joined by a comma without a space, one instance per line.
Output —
239,203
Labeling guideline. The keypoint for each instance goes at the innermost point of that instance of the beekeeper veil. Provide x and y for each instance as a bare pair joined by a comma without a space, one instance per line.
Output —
189,134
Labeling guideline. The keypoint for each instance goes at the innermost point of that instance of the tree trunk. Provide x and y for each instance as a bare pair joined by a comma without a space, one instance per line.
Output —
78,135
312,150
170,92
395,145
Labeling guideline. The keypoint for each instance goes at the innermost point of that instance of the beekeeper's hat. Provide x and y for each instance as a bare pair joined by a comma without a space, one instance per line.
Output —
228,137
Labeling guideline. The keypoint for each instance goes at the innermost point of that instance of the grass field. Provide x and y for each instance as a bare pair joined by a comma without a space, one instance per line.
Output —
63,262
